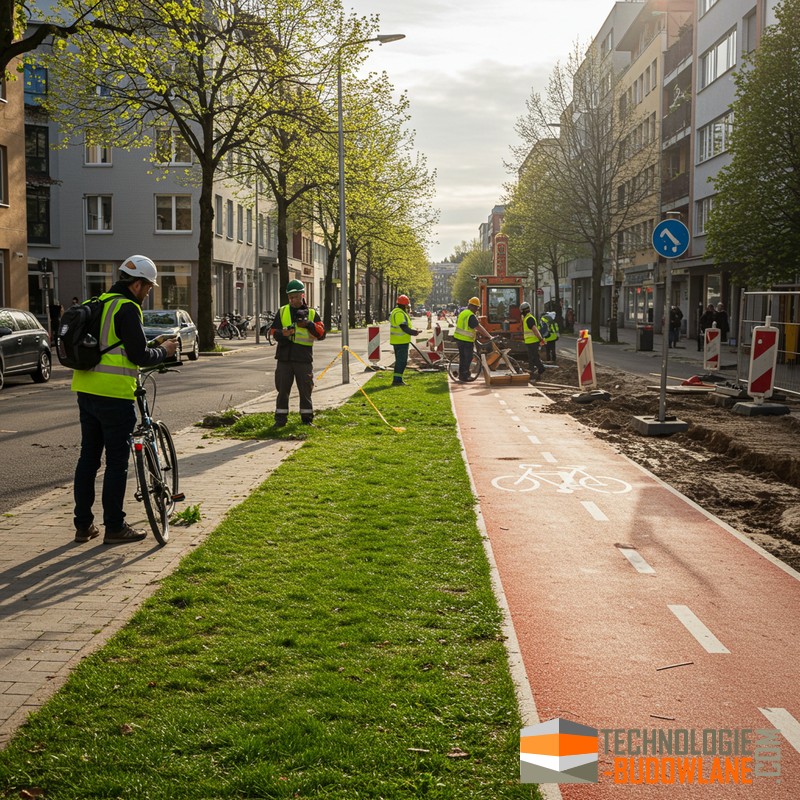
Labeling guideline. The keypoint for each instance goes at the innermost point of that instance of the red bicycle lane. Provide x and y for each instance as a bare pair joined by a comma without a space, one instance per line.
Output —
633,608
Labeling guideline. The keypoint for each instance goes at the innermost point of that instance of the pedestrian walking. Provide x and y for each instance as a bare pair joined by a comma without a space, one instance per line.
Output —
55,310
723,323
707,320
533,342
106,402
548,327
467,328
675,319
400,333
295,329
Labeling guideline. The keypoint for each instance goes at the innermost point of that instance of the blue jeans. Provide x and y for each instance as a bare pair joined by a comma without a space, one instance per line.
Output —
400,361
106,424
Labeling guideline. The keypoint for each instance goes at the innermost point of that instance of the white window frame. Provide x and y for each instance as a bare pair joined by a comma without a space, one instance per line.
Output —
702,212
705,6
239,222
229,219
714,138
218,218
103,225
180,154
97,155
718,59
174,213
249,226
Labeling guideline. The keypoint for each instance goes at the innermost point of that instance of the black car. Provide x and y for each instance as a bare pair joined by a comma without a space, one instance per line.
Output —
24,346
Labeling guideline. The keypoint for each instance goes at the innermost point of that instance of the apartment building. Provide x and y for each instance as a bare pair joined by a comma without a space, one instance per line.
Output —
652,34
489,229
442,286
14,281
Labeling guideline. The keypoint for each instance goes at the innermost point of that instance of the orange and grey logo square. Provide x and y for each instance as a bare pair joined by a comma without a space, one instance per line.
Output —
558,751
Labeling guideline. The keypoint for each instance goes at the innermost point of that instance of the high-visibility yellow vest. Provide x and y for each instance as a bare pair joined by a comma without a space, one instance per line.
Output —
396,334
301,335
115,374
463,330
553,335
532,335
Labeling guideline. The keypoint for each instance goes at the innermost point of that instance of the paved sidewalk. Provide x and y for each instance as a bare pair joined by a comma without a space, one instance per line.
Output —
60,601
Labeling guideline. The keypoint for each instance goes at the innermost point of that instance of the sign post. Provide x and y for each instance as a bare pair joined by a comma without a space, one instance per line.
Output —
670,240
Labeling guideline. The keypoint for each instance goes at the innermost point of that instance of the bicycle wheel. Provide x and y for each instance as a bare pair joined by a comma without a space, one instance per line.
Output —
599,483
453,367
169,458
155,492
515,483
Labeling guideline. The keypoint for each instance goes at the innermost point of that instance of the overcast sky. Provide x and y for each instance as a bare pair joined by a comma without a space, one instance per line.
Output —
468,67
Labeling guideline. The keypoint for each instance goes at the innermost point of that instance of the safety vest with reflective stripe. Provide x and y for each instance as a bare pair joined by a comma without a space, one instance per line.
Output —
301,335
532,335
396,334
463,330
115,375
553,335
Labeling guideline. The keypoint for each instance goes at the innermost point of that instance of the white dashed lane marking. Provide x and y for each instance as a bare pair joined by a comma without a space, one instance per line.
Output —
690,621
532,439
785,723
594,510
549,458
638,563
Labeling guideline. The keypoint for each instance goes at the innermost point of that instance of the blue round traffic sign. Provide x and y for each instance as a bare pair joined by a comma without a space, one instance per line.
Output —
671,238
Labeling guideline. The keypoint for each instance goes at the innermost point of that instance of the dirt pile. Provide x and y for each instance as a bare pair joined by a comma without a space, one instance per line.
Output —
744,470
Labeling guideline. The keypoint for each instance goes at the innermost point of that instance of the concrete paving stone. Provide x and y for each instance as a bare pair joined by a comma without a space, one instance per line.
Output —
47,667
48,637
55,655
24,688
41,627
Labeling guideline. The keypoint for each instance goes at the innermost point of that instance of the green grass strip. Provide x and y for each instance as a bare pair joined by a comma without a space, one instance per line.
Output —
335,637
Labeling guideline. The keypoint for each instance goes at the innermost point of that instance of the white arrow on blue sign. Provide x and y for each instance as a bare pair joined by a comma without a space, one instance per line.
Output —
671,238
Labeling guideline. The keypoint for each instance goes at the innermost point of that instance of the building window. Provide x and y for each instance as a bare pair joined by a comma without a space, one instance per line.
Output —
262,232
37,150
703,208
718,59
98,214
229,220
714,138
97,155
750,33
174,213
218,215
172,148
174,288
35,84
705,5
38,212
249,226
239,223
100,277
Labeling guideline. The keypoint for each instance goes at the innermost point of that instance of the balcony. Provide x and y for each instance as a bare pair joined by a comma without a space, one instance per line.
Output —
678,52
677,187
676,121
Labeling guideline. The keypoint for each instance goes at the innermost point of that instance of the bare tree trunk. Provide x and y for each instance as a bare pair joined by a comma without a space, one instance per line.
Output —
205,251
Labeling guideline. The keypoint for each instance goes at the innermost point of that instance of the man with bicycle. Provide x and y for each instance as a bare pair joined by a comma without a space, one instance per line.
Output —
106,401
295,329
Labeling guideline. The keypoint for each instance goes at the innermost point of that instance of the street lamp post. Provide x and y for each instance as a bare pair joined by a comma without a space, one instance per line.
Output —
344,312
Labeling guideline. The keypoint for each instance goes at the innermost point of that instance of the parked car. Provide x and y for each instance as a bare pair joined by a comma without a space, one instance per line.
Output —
173,322
24,346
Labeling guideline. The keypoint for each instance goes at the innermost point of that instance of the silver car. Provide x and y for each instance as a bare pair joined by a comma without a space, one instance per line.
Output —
173,322
24,346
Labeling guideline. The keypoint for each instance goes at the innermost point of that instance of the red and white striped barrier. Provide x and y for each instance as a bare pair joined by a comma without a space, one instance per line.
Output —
373,344
586,373
763,358
436,345
713,340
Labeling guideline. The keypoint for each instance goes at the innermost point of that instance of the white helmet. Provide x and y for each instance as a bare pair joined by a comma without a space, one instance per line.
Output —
140,267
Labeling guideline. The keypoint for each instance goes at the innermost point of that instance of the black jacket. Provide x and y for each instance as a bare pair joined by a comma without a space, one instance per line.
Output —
129,329
287,350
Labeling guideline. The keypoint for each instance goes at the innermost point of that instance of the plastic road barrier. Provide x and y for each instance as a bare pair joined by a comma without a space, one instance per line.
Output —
711,347
586,373
373,344
763,358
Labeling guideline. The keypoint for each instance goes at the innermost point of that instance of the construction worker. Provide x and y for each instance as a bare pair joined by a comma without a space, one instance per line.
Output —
400,333
467,326
295,329
533,341
549,331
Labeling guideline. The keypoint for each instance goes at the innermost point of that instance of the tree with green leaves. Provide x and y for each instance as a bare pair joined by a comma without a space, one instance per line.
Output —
475,262
755,217
215,74
593,154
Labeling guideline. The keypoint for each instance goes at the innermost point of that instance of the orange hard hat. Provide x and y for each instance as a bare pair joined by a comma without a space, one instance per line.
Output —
403,300
473,301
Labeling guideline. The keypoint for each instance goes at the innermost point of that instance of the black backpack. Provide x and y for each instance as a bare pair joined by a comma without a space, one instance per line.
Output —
77,342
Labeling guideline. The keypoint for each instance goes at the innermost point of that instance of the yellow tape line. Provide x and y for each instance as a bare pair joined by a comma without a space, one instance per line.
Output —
360,388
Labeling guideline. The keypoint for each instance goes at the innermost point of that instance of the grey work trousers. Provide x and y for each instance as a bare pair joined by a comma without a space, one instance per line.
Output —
287,373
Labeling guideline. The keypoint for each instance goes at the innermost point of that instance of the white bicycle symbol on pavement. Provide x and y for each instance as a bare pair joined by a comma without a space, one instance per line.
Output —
566,480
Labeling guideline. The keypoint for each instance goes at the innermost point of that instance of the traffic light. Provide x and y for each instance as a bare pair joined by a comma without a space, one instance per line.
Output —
45,265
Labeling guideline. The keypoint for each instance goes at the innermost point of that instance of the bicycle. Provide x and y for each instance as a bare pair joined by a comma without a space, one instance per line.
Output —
495,358
226,328
570,479
155,460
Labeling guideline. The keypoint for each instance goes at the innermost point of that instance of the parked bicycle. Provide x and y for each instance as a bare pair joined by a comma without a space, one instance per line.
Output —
155,459
227,329
267,321
242,324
